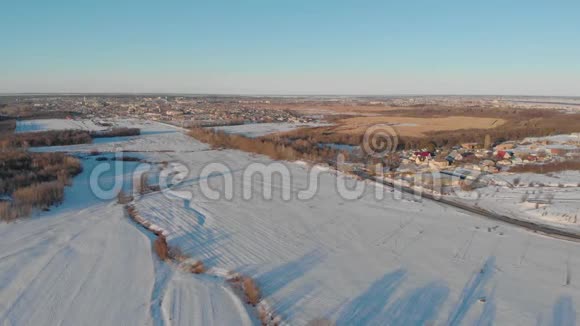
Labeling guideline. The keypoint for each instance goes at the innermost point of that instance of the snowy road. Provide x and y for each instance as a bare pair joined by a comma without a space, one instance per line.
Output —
543,228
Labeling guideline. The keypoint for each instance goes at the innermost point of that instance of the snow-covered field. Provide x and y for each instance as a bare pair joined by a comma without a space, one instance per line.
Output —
93,267
89,266
86,263
261,129
552,198
357,262
56,124
368,261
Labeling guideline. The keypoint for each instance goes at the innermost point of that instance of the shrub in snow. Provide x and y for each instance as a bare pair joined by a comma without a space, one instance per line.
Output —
197,267
251,290
123,198
160,247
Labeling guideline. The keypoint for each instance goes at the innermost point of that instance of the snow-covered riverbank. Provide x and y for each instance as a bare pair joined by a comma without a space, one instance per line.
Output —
86,263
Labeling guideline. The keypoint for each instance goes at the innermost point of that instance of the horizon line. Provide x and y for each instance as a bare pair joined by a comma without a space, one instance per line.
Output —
278,95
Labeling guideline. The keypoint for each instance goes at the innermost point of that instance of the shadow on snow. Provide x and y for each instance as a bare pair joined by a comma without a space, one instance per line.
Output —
366,308
472,291
563,312
418,307
277,278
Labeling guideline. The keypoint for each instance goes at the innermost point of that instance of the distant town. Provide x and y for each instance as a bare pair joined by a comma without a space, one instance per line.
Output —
210,110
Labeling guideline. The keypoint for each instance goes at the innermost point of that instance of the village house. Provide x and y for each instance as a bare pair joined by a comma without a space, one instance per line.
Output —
438,164
173,113
505,146
490,169
503,155
422,157
480,154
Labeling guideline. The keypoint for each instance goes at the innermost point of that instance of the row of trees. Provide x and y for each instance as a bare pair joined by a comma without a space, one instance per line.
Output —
519,124
40,196
116,132
61,137
277,149
46,138
33,181
36,196
447,138
319,135
571,165
7,127
19,168
496,135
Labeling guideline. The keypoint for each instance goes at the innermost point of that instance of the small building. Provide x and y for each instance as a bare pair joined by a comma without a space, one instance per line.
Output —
423,154
504,162
470,145
491,169
488,163
421,157
173,113
438,164
503,155
558,151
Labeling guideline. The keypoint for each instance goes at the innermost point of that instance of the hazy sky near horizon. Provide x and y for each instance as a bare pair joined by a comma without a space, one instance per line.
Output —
291,47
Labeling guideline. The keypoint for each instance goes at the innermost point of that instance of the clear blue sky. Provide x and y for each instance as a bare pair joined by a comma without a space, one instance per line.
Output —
290,47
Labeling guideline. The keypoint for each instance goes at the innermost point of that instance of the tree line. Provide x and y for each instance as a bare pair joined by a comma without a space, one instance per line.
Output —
31,181
46,138
570,165
276,148
61,137
520,124
116,132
